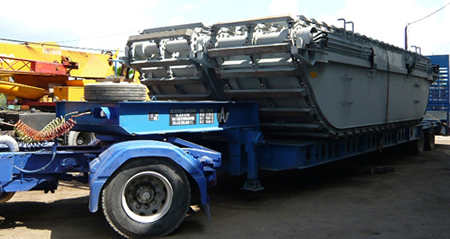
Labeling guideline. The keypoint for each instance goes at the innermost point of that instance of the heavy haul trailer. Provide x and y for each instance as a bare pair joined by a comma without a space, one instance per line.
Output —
148,165
284,92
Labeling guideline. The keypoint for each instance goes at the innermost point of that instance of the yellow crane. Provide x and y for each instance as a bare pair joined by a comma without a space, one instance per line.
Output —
33,69
31,72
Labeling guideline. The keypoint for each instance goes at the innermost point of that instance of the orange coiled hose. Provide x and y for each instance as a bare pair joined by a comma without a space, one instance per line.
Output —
52,130
30,135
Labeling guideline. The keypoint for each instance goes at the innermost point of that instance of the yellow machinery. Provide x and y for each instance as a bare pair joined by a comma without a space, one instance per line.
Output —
36,75
34,71
21,90
37,69
90,65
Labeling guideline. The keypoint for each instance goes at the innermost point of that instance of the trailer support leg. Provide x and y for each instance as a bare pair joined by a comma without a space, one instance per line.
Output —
254,138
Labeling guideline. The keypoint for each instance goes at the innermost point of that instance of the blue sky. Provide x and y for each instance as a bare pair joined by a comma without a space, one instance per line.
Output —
107,24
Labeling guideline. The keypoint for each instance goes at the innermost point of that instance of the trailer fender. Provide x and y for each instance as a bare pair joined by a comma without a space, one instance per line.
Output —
112,158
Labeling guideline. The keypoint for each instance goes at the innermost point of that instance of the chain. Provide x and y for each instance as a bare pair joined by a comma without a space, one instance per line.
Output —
388,86
387,97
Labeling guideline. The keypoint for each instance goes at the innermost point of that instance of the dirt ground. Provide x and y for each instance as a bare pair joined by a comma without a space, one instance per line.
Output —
340,200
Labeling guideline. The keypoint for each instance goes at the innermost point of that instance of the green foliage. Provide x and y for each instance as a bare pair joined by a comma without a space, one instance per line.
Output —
3,101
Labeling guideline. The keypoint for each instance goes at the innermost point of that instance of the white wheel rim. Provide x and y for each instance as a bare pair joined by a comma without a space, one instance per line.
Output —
147,197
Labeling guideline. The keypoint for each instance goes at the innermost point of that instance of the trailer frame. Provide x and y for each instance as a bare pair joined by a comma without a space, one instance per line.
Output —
199,137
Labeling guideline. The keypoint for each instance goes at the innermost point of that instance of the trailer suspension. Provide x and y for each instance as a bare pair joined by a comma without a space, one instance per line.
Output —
52,130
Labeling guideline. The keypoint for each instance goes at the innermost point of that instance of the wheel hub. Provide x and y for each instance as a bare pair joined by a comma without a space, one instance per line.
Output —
147,197
145,194
80,140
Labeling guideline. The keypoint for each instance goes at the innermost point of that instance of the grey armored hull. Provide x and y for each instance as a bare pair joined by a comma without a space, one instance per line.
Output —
309,79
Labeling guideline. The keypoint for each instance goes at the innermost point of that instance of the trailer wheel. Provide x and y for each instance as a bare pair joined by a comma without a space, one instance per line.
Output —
429,141
108,91
4,197
147,198
417,146
80,138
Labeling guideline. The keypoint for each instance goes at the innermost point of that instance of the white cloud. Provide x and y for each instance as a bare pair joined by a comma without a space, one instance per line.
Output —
176,20
187,7
386,21
278,7
84,21
431,34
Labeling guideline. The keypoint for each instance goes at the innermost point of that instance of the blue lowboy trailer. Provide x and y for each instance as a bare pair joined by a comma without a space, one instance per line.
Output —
152,160
274,93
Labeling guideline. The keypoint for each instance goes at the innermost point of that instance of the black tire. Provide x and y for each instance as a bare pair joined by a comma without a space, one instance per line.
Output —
146,198
109,91
430,141
417,146
80,138
4,197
